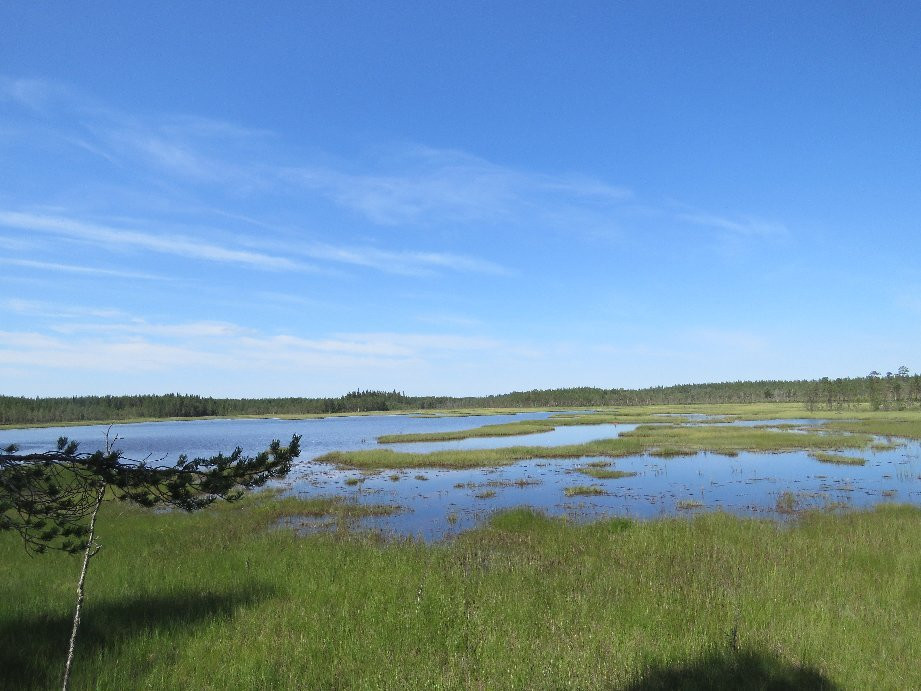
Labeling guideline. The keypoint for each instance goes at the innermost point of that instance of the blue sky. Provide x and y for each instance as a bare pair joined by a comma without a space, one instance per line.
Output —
461,198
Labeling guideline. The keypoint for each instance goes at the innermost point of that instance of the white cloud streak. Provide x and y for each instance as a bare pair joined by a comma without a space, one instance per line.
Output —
35,94
77,269
431,185
177,245
38,308
745,226
220,346
407,185
183,333
406,263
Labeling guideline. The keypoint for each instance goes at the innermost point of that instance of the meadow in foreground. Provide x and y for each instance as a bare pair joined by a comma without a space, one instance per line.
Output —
226,599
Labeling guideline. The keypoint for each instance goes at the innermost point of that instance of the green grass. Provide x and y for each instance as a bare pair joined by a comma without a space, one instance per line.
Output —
269,508
672,452
771,411
884,446
220,599
521,483
787,503
525,427
511,429
666,440
603,473
892,424
837,458
503,430
584,491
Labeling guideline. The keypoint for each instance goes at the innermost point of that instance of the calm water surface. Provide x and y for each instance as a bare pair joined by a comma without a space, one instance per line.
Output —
438,503
207,437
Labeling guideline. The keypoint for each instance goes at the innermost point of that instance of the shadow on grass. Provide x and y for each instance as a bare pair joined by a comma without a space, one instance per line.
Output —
33,649
733,670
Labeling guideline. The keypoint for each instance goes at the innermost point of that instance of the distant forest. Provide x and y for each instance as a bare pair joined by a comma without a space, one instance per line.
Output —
889,391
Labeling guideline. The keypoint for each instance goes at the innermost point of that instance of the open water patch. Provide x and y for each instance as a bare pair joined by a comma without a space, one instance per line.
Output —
559,436
440,503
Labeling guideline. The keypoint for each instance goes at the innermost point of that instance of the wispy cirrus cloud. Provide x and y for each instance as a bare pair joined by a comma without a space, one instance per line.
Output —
190,247
405,185
176,157
16,244
121,346
405,262
408,189
93,355
36,94
416,344
54,267
744,226
178,245
419,184
450,320
183,333
39,308
187,147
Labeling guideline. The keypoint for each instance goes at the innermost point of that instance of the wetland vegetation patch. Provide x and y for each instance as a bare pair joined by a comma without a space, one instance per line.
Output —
584,491
603,473
840,459
662,439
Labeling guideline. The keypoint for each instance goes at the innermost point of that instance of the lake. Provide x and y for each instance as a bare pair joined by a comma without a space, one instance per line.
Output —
438,503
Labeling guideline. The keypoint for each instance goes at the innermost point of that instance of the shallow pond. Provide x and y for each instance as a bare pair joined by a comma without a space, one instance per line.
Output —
439,503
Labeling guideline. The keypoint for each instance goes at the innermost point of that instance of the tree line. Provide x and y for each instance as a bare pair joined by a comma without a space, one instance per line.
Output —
890,391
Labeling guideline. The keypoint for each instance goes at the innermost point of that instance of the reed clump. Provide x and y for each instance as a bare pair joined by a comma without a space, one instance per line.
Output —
584,491
839,459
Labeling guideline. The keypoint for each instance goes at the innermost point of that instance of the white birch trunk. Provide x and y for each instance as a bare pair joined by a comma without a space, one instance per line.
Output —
90,552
